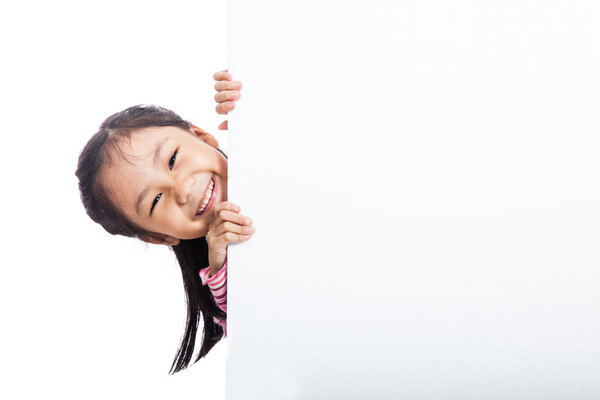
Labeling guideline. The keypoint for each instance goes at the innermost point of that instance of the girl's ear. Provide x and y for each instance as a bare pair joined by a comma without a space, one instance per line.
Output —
160,239
205,136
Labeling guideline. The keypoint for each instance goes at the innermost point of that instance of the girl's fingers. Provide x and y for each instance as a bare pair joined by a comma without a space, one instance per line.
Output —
228,227
233,228
221,241
218,244
228,216
224,108
228,85
227,94
222,75
227,211
222,97
226,205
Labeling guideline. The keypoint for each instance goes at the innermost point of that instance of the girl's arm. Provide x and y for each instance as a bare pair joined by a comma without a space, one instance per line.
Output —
217,285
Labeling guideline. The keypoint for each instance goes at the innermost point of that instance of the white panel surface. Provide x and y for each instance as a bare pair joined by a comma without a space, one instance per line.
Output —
423,177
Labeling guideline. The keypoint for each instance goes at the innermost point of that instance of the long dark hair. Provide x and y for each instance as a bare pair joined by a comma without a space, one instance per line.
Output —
192,255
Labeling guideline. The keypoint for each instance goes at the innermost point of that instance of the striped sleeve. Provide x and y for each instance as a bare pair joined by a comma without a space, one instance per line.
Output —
218,287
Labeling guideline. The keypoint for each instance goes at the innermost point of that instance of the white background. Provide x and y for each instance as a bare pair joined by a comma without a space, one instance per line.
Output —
87,315
510,296
424,184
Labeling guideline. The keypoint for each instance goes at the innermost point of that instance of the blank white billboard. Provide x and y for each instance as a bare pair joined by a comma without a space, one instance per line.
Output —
423,177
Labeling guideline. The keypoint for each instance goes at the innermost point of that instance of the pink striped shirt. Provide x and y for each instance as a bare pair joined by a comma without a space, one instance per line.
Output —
218,287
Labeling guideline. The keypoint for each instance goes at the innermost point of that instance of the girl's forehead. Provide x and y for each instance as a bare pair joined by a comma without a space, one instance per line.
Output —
146,142
149,137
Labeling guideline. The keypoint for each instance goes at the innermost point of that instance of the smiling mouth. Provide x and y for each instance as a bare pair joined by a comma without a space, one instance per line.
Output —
208,198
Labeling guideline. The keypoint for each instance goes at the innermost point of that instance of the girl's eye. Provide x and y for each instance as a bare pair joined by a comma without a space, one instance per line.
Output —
172,160
154,202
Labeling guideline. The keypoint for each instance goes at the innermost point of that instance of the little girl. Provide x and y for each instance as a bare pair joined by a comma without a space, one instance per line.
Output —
147,173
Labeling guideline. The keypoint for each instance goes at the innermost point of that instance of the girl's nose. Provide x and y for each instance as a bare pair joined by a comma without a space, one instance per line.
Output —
183,189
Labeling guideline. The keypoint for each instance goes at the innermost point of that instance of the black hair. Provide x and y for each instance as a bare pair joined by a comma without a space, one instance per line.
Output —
192,255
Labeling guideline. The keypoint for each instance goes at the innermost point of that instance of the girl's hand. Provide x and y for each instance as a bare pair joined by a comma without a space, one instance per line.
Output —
228,92
228,227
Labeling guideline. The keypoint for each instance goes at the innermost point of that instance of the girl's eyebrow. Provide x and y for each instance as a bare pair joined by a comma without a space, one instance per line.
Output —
155,161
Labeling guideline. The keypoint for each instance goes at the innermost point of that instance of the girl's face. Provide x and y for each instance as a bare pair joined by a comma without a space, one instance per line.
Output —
166,176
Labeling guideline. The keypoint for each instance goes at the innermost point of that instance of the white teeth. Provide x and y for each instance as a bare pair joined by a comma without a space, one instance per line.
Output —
207,196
